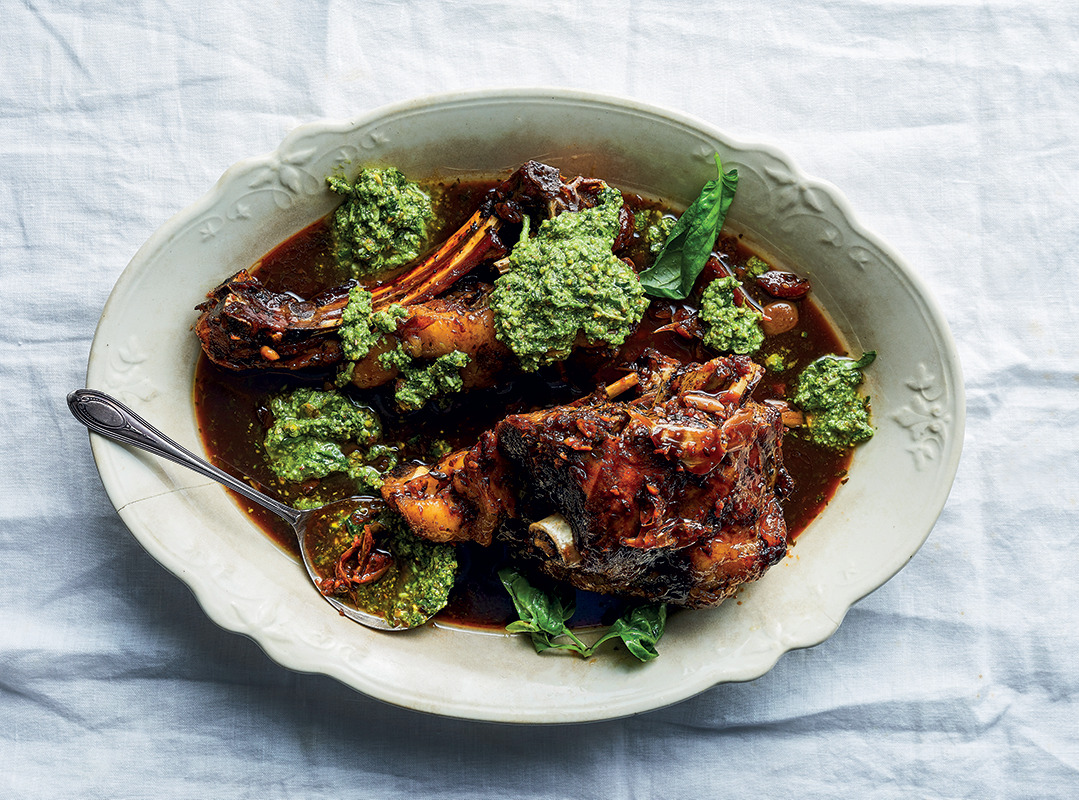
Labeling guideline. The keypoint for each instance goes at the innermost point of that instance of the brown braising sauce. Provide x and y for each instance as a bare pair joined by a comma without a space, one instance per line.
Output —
233,415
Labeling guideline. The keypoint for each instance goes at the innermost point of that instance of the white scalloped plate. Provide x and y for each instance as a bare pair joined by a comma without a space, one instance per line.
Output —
144,352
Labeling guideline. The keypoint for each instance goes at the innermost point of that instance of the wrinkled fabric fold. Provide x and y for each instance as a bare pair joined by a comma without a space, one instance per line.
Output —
951,129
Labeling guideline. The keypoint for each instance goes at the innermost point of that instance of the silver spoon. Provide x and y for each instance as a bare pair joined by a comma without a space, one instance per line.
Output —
108,416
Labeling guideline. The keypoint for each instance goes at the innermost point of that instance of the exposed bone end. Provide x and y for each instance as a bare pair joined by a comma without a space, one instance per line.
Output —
792,417
737,389
705,402
623,385
465,249
554,536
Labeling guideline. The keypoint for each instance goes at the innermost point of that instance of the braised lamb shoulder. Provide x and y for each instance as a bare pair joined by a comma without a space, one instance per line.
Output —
671,497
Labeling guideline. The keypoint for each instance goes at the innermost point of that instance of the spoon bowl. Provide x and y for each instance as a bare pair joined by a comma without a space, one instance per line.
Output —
107,416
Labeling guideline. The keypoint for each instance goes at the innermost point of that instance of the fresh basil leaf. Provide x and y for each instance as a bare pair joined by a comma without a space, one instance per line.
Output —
868,357
639,630
541,641
543,616
690,242
546,613
522,626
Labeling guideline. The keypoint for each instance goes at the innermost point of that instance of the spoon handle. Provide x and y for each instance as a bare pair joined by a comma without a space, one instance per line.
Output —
108,416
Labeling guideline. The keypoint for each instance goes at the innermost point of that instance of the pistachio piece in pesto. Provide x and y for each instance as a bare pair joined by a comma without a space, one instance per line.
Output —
564,283
382,222
837,416
729,327
755,267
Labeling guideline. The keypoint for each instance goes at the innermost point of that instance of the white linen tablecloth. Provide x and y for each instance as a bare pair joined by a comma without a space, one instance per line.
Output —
950,126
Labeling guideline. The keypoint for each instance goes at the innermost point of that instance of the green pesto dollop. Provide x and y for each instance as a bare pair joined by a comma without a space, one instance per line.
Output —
657,229
419,381
382,222
361,464
309,429
837,417
361,327
755,267
425,575
776,362
566,281
729,328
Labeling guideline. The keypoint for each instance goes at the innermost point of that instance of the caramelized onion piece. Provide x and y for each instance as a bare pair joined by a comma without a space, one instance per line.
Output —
783,285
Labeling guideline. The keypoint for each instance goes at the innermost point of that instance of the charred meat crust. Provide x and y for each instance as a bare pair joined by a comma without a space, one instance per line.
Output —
645,523
245,326
671,497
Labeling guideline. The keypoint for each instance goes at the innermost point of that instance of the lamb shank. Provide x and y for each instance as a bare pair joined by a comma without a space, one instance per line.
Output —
245,326
672,496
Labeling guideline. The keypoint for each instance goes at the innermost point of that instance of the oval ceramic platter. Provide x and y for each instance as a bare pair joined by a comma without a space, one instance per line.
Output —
144,352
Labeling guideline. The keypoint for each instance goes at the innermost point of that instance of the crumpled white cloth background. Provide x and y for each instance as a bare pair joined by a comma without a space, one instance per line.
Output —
951,127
